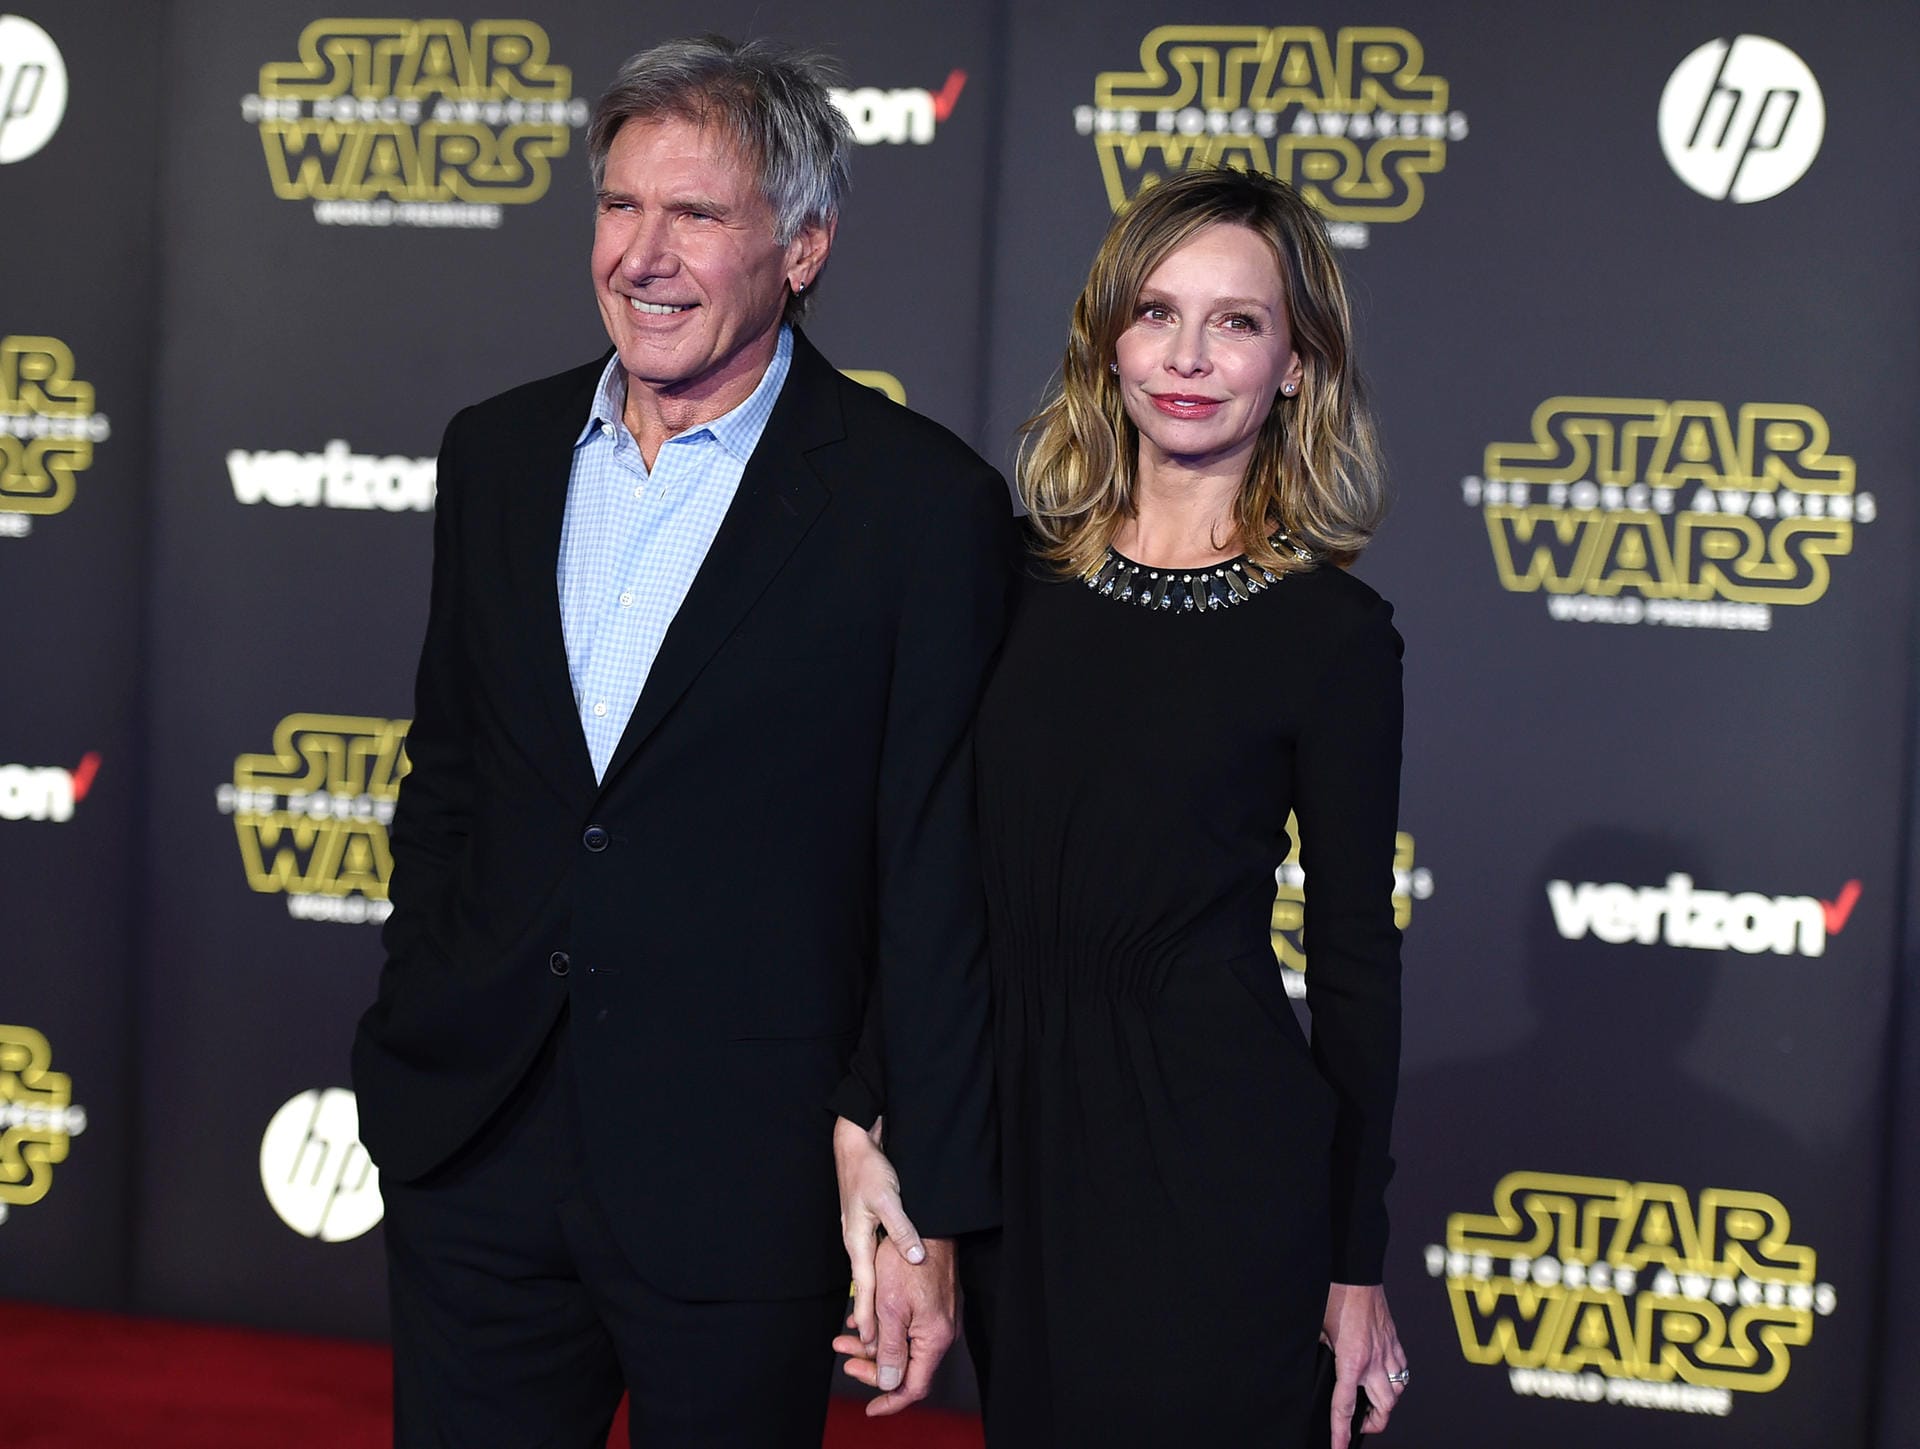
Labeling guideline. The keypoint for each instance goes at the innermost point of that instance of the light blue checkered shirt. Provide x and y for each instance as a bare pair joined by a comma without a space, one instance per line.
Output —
632,540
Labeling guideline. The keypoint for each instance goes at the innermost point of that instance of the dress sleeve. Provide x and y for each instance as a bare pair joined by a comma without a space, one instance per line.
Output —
1347,801
928,1037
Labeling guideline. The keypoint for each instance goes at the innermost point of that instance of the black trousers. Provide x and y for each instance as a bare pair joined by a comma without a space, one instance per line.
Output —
517,1320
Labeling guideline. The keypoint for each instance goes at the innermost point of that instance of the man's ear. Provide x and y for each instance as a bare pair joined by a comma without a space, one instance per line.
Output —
807,254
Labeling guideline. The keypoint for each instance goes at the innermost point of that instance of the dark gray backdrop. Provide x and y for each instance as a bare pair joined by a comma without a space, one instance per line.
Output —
77,265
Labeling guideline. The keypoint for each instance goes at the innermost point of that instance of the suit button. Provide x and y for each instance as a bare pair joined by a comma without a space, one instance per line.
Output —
559,963
596,838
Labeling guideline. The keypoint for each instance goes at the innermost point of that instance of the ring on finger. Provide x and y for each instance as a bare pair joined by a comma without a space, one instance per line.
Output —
1402,1378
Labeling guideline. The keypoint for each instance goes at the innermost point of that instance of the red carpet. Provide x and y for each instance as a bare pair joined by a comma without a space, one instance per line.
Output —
97,1381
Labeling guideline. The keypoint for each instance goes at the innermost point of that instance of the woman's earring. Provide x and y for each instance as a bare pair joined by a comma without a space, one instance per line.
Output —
1289,388
1113,367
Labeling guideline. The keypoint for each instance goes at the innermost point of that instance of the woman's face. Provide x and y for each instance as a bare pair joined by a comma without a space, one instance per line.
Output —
1208,347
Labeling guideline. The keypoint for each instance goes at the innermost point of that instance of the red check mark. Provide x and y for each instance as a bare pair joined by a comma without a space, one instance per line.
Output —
944,98
84,772
1837,912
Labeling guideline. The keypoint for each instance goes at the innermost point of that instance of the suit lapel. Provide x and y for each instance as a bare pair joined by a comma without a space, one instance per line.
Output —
536,475
777,501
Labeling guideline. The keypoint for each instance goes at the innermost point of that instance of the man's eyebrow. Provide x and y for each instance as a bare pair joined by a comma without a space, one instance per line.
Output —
711,206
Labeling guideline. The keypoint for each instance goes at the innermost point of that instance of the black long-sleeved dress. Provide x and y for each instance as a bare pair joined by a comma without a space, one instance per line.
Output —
1184,1174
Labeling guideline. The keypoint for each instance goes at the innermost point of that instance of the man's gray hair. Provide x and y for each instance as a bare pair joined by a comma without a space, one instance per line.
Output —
771,100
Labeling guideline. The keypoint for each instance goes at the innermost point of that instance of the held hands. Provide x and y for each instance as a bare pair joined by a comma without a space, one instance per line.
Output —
917,1306
905,1290
1366,1354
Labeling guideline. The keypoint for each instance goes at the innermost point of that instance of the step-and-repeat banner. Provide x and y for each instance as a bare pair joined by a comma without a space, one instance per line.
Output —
81,101
1638,301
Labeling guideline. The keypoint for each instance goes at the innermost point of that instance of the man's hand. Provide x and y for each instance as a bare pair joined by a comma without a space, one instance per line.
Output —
869,1201
1366,1354
918,1305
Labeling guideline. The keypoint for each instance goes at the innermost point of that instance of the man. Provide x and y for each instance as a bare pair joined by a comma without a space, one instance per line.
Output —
688,833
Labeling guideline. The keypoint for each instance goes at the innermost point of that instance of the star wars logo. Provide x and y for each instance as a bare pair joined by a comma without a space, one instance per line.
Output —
1352,120
1410,883
48,430
312,816
38,1117
1599,1290
415,122
1638,511
884,383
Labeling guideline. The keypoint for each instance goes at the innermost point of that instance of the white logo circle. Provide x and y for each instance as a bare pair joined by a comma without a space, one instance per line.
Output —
317,1175
33,88
1742,120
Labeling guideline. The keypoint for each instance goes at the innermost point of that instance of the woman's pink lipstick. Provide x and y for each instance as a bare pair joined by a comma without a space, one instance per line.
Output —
1184,405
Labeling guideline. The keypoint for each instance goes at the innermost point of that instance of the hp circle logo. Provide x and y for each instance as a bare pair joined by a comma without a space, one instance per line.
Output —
33,88
1741,120
316,1174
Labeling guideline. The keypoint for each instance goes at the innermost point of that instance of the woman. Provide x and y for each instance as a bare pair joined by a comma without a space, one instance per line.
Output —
1194,1196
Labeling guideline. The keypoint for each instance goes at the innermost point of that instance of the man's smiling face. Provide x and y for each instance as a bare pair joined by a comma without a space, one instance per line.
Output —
689,278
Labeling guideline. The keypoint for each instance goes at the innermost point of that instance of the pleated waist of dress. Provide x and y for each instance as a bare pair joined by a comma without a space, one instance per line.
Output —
1140,972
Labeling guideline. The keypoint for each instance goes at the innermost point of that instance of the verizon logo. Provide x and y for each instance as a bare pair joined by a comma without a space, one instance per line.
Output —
337,477
45,792
896,117
1678,915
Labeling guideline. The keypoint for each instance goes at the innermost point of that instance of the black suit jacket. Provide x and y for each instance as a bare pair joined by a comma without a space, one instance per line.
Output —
779,867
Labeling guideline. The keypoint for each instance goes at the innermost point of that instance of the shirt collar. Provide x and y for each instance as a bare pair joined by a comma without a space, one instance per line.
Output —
738,431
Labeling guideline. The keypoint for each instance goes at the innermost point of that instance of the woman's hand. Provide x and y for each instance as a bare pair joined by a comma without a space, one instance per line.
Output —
869,1201
1366,1354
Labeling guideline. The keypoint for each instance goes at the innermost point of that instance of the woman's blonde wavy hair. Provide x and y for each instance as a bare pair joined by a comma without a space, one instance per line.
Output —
1315,472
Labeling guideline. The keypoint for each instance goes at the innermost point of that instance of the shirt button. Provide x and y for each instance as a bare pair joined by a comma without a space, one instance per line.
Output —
606,430
595,838
600,710
626,598
559,963
640,492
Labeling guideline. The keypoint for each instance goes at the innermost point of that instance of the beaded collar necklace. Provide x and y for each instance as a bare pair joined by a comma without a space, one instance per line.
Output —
1216,586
